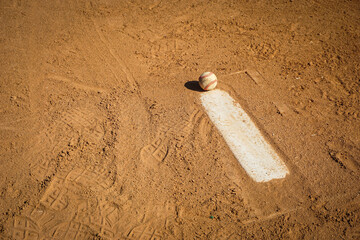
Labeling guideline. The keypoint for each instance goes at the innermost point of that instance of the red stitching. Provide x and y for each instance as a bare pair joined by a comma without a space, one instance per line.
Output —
212,82
207,75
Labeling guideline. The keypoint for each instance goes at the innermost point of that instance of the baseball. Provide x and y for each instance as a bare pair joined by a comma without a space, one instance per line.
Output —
207,81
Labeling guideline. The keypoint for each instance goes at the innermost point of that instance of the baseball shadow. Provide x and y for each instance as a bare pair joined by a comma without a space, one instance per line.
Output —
193,85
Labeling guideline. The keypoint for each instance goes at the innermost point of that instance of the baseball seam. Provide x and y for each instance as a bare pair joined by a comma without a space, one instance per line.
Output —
207,75
212,82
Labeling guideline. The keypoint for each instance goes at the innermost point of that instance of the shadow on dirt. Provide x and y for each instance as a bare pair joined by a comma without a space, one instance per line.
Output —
193,85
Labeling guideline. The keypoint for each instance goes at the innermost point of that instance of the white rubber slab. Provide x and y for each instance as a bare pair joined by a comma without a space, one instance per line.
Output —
245,140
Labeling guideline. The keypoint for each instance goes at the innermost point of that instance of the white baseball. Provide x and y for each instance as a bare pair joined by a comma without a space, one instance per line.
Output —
207,81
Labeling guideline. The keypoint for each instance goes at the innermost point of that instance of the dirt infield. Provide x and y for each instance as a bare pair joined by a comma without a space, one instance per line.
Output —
103,135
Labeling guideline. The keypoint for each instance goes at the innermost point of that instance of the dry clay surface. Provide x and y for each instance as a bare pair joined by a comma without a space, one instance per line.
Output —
103,135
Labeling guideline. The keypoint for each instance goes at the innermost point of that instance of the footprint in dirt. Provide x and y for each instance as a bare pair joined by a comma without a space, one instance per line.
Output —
156,152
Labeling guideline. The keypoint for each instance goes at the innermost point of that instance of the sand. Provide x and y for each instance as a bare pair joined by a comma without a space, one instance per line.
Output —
103,135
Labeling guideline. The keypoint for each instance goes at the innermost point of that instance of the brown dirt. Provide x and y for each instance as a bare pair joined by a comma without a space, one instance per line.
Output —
101,137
